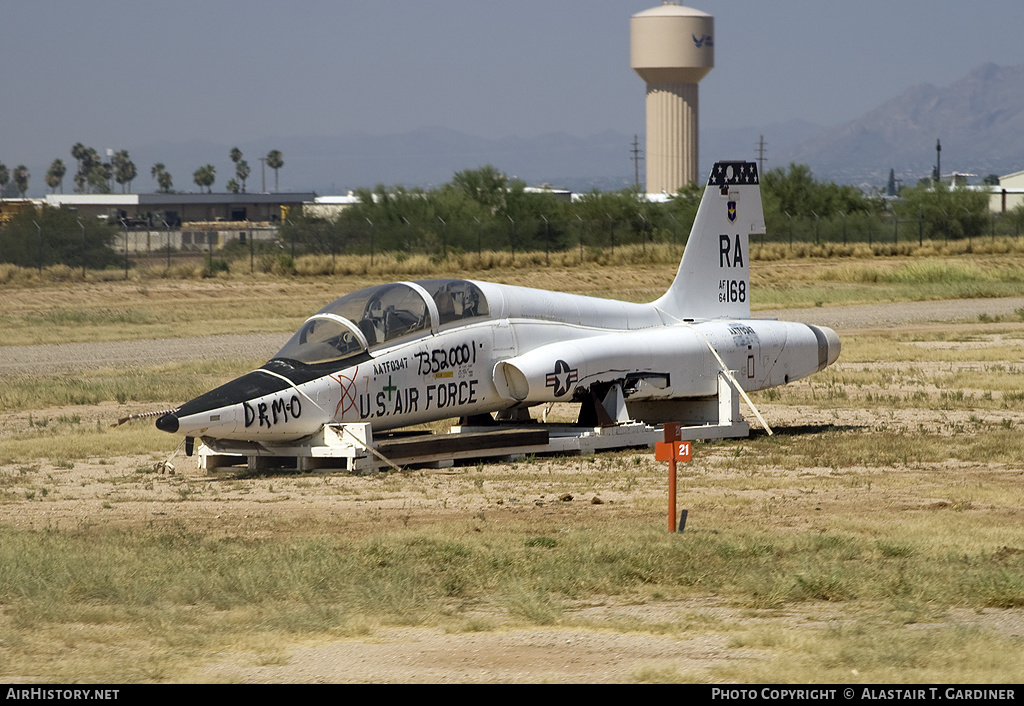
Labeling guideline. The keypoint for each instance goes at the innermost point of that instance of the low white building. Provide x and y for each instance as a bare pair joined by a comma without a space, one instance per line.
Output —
175,208
188,222
329,207
1009,194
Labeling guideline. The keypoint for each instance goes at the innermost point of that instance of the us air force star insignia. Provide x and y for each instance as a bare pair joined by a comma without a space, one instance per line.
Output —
562,378
732,210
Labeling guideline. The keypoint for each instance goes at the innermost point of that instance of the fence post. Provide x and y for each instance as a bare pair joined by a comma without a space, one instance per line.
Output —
408,235
124,225
371,241
167,236
581,237
39,246
512,239
82,226
547,243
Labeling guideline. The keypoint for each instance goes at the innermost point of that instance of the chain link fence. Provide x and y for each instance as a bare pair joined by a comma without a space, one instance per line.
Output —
85,243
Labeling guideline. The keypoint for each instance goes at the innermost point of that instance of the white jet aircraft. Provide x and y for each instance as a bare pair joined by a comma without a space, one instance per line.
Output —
411,352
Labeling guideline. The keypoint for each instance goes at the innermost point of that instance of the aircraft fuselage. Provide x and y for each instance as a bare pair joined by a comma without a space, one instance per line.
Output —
492,365
406,353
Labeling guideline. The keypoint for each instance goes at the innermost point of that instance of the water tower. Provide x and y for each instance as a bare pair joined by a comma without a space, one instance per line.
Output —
672,48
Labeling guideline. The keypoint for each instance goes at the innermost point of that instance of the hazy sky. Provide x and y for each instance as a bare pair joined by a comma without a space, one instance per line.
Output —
119,74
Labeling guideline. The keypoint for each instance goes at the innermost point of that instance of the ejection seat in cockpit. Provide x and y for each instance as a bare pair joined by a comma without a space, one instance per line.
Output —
368,329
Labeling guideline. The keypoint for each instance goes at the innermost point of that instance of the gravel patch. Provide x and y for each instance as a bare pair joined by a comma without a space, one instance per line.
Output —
62,358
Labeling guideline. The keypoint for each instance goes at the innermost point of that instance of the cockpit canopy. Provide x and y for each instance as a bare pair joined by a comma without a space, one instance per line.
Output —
380,315
455,299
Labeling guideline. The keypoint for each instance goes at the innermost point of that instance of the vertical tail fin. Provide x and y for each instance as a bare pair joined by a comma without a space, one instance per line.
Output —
713,280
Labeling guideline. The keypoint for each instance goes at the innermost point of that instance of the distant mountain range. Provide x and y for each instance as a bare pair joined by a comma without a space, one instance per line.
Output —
979,119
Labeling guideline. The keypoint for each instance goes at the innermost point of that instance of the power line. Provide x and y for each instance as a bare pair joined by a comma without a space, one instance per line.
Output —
637,158
761,155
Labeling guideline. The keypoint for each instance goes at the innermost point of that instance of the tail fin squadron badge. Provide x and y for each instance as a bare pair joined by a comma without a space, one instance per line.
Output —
732,210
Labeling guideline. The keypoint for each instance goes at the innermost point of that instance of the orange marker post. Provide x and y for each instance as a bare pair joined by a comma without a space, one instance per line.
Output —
672,450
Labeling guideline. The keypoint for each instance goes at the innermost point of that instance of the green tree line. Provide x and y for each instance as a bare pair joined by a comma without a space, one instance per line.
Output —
798,206
484,209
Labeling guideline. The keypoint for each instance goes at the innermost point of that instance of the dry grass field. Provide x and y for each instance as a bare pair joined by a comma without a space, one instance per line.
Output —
877,536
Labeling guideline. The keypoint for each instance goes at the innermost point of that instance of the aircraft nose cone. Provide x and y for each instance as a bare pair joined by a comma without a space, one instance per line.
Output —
168,423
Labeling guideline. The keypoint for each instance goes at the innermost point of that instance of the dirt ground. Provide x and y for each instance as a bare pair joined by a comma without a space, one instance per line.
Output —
108,492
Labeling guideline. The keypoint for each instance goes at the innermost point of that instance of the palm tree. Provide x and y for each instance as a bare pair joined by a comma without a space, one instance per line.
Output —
242,171
275,162
163,178
55,175
5,176
124,169
78,152
88,164
21,177
236,155
204,177
99,177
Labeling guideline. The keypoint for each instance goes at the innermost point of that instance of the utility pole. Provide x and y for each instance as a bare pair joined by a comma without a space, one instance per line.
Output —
760,155
637,158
